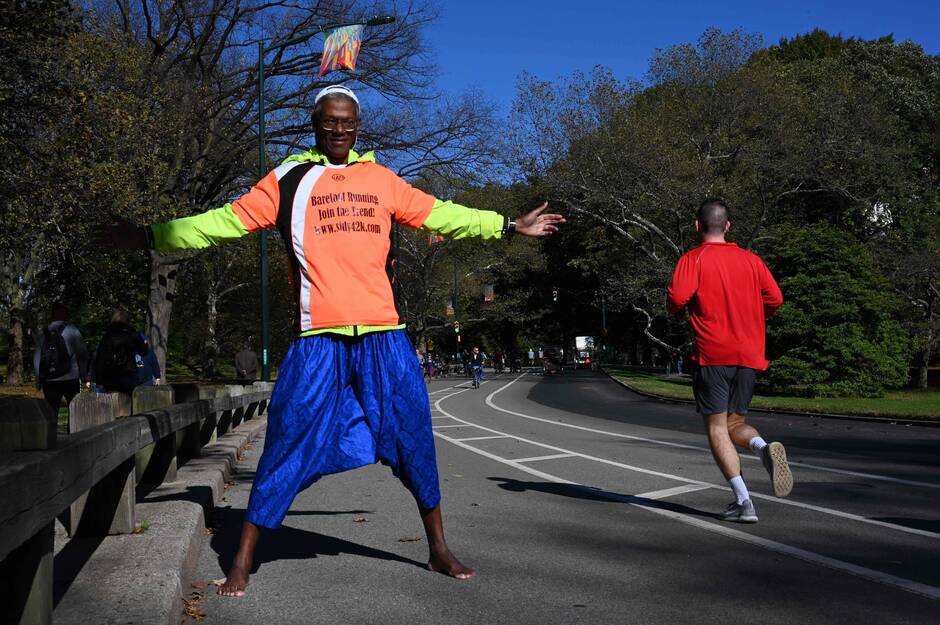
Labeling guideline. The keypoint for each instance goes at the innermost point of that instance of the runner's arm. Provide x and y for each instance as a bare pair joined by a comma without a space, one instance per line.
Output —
255,210
683,286
770,292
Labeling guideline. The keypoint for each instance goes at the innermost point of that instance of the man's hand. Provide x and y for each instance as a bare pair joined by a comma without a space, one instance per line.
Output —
123,234
535,224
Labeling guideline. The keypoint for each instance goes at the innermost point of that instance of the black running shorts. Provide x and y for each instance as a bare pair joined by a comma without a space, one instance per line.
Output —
723,389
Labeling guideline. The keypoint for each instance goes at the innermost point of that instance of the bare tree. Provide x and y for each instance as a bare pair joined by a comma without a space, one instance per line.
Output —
208,49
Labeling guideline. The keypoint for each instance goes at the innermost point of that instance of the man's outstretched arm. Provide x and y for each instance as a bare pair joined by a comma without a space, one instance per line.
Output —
458,222
255,210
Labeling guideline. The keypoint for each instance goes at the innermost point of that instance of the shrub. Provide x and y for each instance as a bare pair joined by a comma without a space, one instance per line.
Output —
837,333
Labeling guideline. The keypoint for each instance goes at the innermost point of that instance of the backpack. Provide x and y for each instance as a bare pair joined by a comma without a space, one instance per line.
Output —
117,355
54,359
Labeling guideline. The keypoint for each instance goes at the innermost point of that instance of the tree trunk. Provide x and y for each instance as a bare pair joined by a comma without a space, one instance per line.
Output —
16,284
924,364
15,338
211,347
160,303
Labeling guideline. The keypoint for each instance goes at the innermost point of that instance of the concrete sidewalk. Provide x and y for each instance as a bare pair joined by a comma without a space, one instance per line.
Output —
142,578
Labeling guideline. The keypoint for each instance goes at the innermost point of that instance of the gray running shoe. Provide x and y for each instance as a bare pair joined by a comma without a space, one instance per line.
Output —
740,512
774,457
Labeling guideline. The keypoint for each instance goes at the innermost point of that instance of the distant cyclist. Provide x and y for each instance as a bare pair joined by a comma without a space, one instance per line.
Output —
477,358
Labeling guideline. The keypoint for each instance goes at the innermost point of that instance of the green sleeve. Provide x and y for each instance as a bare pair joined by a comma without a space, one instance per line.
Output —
459,222
208,229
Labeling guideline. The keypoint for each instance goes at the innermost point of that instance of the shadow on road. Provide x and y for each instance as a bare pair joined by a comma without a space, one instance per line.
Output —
578,491
289,543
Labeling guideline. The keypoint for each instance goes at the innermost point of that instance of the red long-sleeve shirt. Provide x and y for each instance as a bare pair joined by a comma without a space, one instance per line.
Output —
729,293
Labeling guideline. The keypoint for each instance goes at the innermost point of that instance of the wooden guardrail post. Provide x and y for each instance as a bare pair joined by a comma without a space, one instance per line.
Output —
26,572
198,435
267,387
238,414
108,507
155,463
230,417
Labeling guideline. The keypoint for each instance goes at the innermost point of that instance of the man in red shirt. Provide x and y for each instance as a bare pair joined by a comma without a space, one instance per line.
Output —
729,293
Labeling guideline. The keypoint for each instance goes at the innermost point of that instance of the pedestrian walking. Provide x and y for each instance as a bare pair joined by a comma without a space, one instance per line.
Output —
729,292
148,367
429,365
348,392
246,365
60,359
117,355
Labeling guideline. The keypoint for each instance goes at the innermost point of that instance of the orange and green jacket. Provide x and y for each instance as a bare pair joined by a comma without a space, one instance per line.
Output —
336,223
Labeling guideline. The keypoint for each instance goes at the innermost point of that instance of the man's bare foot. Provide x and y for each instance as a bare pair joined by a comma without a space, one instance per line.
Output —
235,584
447,564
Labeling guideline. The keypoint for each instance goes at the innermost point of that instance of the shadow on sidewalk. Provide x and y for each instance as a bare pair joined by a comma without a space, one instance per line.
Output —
578,491
290,543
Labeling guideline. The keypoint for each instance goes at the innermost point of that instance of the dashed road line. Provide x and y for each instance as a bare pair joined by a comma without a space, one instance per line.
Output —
669,492
481,438
540,458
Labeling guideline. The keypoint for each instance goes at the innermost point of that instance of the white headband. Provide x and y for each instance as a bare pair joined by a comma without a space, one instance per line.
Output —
336,90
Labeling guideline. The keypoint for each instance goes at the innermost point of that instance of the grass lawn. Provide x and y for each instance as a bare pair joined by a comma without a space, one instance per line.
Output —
907,403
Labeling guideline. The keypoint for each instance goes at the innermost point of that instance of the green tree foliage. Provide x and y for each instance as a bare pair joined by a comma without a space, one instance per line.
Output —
837,332
819,128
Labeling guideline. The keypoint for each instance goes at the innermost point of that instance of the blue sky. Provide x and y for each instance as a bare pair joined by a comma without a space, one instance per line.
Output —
486,44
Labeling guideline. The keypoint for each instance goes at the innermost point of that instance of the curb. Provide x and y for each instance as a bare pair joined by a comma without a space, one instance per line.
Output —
821,415
143,578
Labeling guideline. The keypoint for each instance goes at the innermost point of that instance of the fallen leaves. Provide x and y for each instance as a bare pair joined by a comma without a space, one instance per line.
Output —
409,539
192,607
360,519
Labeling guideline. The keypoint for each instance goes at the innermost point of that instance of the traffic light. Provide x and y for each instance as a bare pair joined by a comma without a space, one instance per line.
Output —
456,327
554,295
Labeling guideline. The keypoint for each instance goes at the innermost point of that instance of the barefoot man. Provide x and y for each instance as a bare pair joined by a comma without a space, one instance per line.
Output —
349,392
729,292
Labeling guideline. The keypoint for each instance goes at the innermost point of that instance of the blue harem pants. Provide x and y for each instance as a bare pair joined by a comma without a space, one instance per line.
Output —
341,403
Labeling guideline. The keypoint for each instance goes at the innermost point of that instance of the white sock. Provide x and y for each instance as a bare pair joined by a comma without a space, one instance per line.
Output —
757,444
740,490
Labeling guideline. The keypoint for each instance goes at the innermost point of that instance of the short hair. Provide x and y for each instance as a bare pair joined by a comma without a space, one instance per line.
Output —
318,107
120,316
713,215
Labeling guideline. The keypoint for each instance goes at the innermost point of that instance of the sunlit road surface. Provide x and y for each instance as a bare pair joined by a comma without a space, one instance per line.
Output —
578,501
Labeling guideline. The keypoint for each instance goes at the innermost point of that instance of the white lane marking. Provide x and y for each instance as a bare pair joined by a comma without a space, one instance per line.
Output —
460,385
872,476
442,417
538,458
462,424
482,438
786,502
811,557
669,492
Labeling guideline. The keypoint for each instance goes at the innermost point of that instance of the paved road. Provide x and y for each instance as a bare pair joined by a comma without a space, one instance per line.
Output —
580,502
